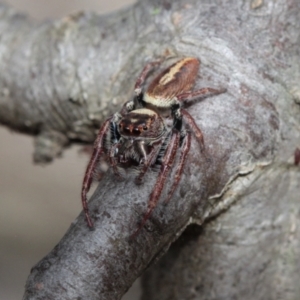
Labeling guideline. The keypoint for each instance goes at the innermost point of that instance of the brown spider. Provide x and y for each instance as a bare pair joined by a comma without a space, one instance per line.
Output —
139,136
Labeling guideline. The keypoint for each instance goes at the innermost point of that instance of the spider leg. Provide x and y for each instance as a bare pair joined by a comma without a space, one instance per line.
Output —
162,177
186,148
127,107
138,87
88,177
149,67
195,95
148,161
113,161
194,127
187,97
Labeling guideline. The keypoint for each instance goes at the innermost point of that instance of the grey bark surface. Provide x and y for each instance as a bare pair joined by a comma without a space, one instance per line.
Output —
59,80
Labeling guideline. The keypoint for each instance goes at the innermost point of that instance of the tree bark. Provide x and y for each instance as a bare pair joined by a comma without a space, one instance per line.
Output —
59,80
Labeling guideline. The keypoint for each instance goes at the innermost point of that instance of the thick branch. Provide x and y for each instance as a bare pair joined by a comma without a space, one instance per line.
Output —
106,261
251,252
64,77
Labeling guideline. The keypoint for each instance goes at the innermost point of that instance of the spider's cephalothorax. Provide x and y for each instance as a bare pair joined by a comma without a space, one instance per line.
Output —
140,136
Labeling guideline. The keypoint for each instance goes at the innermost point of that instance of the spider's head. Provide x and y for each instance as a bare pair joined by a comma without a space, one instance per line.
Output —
142,123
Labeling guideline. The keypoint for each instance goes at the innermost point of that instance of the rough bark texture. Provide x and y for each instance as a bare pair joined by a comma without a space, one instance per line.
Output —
59,80
250,252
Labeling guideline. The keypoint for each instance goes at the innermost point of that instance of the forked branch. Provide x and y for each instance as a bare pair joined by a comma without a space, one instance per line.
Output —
60,80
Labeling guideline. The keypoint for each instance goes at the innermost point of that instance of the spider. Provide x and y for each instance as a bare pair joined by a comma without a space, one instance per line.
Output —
139,137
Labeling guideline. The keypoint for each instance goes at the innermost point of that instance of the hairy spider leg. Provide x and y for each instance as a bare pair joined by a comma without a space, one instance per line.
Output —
138,87
127,107
191,96
162,177
112,160
194,127
185,150
150,160
149,67
201,93
88,177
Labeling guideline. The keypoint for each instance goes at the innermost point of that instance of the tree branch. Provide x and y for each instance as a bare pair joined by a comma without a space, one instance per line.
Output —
251,252
60,79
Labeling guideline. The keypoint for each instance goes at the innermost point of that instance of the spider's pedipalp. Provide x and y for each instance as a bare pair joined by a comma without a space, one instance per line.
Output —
149,161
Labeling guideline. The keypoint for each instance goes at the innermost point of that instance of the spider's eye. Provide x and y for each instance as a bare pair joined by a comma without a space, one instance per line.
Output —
145,128
136,131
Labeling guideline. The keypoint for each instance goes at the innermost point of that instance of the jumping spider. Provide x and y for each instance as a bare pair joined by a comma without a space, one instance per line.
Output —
138,136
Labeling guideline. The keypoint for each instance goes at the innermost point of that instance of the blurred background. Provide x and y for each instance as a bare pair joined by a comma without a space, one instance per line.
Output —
37,204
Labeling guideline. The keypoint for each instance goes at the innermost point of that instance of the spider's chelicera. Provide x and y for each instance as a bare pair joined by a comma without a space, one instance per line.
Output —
140,137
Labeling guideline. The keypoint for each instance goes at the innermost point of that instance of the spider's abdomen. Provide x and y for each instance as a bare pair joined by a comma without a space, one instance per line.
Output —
178,78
